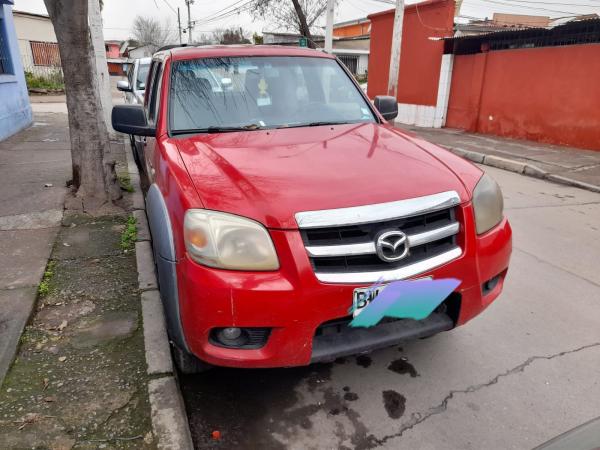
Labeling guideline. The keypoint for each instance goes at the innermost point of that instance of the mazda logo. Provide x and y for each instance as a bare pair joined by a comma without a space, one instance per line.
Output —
392,246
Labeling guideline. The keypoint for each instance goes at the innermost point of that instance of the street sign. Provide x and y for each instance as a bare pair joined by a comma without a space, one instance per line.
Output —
303,42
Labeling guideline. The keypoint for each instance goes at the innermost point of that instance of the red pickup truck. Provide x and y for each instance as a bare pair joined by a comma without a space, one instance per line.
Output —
279,192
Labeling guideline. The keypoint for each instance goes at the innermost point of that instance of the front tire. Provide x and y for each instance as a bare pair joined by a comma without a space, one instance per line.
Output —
187,363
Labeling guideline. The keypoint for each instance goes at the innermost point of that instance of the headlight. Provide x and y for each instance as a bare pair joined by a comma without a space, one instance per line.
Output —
228,242
488,204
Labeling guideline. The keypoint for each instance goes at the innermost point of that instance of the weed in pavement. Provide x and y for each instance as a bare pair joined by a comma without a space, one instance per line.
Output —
129,234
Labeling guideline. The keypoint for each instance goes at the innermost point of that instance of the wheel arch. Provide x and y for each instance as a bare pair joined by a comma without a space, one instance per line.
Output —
163,245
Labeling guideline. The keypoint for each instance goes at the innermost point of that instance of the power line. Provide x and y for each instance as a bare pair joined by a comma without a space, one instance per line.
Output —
224,10
170,6
223,14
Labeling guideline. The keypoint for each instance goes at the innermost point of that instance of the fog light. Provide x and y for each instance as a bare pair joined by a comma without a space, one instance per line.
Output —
242,338
230,334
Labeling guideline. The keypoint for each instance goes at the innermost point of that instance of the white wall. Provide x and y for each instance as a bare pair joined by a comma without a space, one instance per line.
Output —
363,64
31,28
430,116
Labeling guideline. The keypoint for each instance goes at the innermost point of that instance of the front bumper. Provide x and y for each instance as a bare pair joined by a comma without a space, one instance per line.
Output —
294,304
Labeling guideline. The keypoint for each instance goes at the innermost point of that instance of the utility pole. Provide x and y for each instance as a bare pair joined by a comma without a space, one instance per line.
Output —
329,26
188,3
396,47
179,25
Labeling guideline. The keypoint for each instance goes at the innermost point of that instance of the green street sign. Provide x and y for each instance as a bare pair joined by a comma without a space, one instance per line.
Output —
303,42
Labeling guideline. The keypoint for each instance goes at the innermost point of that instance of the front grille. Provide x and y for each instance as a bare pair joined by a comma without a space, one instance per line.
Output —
368,233
353,234
367,263
383,241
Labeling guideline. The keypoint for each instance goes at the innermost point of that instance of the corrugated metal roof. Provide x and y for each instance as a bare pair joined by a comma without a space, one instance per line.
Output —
521,31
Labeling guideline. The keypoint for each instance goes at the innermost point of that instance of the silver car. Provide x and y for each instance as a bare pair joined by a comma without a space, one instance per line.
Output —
134,88
135,85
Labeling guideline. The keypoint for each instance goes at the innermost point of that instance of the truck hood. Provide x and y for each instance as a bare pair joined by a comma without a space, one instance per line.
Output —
269,175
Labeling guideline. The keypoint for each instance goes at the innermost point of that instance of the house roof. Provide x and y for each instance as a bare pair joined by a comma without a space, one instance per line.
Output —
23,13
351,22
575,32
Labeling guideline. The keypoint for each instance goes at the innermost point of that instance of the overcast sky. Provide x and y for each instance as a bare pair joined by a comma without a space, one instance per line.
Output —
118,14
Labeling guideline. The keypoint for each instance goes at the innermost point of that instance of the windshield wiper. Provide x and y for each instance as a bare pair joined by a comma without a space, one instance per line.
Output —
249,127
317,124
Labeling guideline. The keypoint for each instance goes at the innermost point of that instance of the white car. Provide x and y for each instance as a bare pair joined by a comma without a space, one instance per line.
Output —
135,88
135,85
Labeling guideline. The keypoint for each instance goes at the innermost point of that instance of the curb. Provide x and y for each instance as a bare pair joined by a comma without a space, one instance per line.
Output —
520,167
169,419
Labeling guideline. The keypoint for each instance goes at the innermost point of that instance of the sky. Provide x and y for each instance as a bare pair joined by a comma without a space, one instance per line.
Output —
118,15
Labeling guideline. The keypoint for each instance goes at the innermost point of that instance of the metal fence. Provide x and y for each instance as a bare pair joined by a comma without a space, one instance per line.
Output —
43,65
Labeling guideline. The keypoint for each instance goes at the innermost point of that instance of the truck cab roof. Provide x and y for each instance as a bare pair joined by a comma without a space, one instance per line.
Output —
216,51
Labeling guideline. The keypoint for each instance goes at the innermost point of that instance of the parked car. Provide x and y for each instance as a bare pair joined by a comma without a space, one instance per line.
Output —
275,203
135,85
135,88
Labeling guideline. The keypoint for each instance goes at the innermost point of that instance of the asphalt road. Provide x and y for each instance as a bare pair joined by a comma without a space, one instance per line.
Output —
523,372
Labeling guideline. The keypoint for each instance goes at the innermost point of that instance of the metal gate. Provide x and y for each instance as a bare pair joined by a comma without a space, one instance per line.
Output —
351,62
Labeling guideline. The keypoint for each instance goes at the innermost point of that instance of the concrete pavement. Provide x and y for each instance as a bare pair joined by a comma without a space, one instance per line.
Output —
34,167
565,165
524,371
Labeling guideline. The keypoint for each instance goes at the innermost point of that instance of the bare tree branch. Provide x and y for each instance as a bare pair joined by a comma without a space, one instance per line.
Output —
299,16
149,31
232,35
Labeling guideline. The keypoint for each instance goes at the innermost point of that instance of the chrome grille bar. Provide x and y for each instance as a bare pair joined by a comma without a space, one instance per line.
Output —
391,275
378,212
365,248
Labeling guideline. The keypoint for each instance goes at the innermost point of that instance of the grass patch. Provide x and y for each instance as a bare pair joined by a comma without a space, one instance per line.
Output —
125,182
53,80
44,287
361,78
129,234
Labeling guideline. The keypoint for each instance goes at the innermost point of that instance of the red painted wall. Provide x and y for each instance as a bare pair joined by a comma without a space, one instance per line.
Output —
420,57
547,94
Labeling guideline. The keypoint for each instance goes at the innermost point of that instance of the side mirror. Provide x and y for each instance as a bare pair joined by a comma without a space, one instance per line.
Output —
387,106
123,86
130,119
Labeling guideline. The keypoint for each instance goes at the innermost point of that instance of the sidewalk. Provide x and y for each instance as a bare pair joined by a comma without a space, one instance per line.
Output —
564,165
34,167
80,309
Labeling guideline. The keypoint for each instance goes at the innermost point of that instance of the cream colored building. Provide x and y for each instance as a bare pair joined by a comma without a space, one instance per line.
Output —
37,42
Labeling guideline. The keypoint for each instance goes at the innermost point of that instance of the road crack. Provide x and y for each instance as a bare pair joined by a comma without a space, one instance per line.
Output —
418,418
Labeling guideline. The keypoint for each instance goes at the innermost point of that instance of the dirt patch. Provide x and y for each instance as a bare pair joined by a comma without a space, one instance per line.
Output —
79,380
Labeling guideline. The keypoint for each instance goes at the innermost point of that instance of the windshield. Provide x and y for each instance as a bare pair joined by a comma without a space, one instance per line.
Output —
142,74
262,92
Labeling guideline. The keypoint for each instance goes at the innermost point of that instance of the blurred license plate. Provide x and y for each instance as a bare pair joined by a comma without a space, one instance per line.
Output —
363,296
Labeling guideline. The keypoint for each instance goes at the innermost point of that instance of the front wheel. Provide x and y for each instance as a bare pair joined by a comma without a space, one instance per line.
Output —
187,363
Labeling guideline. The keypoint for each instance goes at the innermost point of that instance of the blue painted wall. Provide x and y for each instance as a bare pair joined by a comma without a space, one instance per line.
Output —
15,111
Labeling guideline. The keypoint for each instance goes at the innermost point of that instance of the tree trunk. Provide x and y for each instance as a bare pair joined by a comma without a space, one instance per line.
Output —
94,177
304,28
95,21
